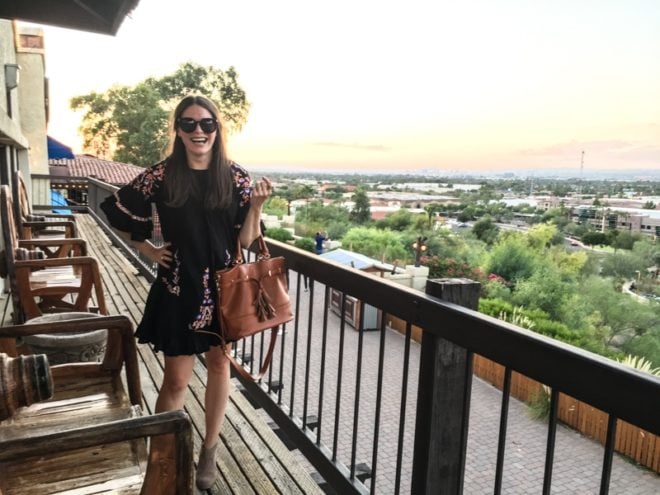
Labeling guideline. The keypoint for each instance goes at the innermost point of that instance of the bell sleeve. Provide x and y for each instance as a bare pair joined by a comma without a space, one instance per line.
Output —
243,187
129,208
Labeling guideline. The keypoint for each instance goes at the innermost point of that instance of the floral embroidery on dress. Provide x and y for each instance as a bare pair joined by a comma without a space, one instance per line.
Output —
149,179
242,182
172,285
128,212
205,314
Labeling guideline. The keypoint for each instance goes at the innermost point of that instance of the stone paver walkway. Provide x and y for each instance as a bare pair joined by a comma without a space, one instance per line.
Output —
578,460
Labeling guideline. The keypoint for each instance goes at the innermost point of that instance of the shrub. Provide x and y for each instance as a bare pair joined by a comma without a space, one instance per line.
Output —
305,243
440,267
279,234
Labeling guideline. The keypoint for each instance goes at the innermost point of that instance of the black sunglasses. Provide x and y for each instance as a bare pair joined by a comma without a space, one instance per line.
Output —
188,125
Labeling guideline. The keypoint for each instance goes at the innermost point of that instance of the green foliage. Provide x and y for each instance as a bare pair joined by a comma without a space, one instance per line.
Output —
622,319
361,212
337,229
399,220
494,289
511,258
485,230
305,243
624,240
593,238
641,364
517,318
545,289
383,245
276,205
282,235
129,124
440,267
540,321
539,405
620,265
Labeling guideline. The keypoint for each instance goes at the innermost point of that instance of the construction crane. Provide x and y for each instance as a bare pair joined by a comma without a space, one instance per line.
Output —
581,176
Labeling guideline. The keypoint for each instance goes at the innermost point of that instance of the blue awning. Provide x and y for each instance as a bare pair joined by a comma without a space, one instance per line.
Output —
58,150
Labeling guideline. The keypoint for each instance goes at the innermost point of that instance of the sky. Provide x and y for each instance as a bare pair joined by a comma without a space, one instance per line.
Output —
377,85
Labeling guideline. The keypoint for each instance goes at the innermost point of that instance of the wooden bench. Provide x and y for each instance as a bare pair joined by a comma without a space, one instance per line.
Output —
90,436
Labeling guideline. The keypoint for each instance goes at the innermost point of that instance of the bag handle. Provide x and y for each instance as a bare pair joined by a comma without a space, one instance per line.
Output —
264,364
264,253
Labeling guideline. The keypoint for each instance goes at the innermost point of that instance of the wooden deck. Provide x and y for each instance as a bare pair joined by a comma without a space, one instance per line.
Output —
252,459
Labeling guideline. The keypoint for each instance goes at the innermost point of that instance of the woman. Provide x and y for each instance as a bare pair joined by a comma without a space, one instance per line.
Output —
204,202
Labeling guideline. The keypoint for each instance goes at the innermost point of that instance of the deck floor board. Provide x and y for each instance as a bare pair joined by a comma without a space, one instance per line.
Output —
252,459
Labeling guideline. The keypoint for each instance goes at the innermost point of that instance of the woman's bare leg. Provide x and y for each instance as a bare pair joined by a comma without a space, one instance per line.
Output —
172,395
217,393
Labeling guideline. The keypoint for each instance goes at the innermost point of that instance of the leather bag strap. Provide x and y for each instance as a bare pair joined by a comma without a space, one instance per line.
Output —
264,364
264,253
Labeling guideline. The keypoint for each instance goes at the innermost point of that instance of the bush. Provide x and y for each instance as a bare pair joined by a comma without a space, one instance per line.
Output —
305,243
279,234
440,267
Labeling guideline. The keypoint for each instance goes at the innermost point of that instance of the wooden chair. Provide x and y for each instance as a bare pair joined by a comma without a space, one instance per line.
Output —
41,285
43,225
90,436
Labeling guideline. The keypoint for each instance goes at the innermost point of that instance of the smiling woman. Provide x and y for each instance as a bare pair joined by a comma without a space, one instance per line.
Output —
206,204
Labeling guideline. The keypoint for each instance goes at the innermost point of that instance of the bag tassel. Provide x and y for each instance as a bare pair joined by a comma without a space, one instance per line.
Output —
265,310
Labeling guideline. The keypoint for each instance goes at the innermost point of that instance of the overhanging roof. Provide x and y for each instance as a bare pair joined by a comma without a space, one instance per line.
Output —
99,16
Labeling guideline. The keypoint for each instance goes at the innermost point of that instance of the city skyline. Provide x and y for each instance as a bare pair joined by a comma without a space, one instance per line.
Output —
379,86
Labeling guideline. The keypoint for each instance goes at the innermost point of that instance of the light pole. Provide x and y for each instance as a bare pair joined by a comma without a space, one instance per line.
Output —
420,247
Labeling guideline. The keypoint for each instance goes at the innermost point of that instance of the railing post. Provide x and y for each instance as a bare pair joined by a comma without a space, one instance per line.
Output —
443,404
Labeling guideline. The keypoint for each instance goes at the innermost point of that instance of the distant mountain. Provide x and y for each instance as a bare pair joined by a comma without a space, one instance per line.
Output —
550,173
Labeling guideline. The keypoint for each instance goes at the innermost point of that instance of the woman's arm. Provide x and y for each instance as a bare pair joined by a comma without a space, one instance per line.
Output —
252,225
160,255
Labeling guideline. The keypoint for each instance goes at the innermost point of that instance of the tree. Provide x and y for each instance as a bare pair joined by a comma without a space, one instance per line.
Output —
276,205
594,238
649,205
129,123
623,318
485,230
361,212
400,220
511,258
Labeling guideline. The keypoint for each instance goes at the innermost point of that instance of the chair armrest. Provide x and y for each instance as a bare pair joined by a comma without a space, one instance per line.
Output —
172,422
63,216
51,242
70,227
52,262
70,246
121,348
41,225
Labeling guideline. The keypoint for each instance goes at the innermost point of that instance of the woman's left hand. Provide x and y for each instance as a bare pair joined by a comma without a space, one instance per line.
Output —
261,190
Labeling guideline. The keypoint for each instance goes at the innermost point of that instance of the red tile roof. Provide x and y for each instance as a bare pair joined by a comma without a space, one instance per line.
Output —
114,173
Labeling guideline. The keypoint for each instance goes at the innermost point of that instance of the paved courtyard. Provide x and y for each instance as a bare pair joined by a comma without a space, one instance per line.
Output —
578,460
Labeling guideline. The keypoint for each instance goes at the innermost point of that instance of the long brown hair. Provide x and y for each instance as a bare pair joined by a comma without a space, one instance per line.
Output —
178,178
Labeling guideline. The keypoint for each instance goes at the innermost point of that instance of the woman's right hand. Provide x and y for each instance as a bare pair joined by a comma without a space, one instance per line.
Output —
157,254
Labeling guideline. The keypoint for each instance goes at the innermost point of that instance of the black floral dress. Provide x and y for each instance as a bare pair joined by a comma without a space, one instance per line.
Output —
179,316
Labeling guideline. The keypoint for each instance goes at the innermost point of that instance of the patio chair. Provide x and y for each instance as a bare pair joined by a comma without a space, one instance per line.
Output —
91,435
42,225
41,286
